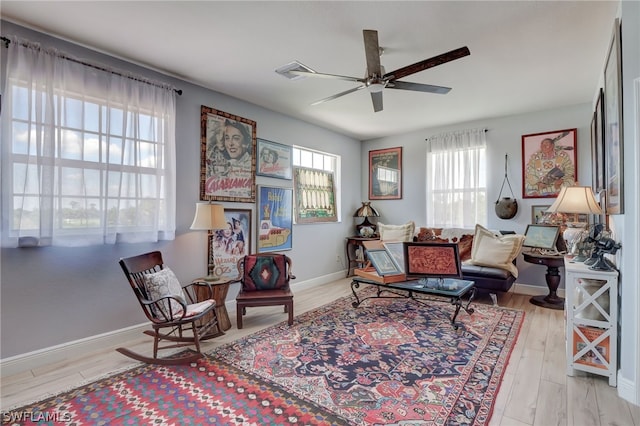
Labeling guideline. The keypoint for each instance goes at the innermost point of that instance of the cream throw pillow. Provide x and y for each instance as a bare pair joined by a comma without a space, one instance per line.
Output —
497,251
402,233
165,283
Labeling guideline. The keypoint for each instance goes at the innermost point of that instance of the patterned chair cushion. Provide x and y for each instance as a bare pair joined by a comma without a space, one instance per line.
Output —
265,273
165,283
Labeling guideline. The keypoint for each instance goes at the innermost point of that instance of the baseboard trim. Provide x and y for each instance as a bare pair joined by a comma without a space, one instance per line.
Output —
534,290
58,353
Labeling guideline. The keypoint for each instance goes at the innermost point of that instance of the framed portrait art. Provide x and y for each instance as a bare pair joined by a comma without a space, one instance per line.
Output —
226,246
613,180
315,196
227,157
274,159
275,219
548,163
385,174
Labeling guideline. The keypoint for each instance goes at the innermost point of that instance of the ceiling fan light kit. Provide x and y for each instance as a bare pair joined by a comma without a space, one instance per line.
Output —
376,80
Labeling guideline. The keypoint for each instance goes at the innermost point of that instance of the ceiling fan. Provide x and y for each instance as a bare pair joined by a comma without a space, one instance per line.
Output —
376,79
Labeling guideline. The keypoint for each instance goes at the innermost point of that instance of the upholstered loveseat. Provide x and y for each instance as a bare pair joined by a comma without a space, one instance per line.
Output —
487,258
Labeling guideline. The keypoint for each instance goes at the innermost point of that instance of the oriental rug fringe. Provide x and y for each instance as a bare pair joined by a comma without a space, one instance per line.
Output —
389,361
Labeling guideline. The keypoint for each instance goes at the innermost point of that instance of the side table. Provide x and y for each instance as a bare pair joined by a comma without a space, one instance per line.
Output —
552,262
220,289
356,256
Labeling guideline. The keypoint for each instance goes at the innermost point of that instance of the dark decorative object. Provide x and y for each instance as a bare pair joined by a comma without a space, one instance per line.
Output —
506,207
366,228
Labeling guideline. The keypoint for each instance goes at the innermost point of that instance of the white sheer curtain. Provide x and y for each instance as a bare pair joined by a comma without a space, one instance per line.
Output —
88,154
456,182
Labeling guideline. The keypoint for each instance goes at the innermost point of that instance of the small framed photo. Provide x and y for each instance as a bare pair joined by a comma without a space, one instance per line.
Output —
381,260
548,163
396,250
274,160
537,213
385,174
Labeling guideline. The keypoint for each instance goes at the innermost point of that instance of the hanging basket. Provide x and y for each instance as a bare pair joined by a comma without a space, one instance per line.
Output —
506,207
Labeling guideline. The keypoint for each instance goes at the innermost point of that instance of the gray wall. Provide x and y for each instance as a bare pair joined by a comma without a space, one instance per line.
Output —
54,295
503,137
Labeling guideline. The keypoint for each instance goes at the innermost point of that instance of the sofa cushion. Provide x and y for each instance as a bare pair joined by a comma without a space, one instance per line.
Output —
495,251
402,233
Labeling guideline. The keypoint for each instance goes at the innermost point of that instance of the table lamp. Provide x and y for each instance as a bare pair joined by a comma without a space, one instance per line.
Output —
209,217
575,200
366,228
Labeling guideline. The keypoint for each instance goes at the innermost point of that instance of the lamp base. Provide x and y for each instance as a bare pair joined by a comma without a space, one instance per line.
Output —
211,278
366,228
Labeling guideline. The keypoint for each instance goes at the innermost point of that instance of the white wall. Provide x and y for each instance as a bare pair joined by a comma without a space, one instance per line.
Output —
54,295
504,136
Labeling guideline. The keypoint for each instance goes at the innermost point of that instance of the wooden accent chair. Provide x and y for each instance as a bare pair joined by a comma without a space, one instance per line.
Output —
264,281
174,311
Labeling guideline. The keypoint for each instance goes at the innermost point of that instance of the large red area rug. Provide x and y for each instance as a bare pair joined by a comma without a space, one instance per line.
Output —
388,361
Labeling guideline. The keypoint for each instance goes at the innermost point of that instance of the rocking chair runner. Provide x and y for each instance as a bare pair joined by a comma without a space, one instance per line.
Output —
174,311
265,282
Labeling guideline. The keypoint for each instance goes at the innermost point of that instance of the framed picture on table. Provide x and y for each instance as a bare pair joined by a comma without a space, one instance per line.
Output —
227,157
548,163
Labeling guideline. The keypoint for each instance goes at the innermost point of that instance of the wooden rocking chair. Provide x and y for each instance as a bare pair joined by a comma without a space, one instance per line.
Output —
174,311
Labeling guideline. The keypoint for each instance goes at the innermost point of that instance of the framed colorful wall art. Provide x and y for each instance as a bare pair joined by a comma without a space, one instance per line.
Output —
548,163
275,219
274,159
227,246
227,157
385,174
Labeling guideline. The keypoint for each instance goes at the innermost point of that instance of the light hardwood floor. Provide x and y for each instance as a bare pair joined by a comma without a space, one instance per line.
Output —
535,389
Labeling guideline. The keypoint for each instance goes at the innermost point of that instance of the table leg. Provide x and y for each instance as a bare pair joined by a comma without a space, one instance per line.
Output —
551,300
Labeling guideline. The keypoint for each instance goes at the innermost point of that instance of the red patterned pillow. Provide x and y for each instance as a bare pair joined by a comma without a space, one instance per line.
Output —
265,273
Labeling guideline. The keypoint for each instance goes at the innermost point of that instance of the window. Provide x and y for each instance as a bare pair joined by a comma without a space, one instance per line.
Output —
317,198
456,179
87,156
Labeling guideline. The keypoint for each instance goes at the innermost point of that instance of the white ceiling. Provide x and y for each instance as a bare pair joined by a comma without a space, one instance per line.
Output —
525,55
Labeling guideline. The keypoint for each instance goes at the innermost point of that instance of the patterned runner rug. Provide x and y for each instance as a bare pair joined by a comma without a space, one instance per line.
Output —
388,361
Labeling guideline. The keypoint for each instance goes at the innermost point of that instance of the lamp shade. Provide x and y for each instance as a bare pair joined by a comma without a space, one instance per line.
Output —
575,199
366,210
209,216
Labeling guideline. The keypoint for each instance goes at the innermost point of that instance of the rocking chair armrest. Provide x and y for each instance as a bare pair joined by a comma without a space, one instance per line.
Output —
164,311
198,289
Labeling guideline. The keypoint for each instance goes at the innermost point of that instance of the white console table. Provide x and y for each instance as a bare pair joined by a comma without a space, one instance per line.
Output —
592,320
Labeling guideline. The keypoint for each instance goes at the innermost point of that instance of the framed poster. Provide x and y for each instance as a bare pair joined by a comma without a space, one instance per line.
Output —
275,219
613,182
274,160
227,157
548,163
597,144
315,196
227,246
385,174
537,213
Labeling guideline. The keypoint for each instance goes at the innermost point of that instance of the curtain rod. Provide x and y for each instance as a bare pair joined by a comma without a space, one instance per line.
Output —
427,139
6,42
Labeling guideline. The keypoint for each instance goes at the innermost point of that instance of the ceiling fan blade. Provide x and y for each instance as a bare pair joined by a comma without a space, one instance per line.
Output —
372,51
337,95
418,87
323,75
376,98
428,63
